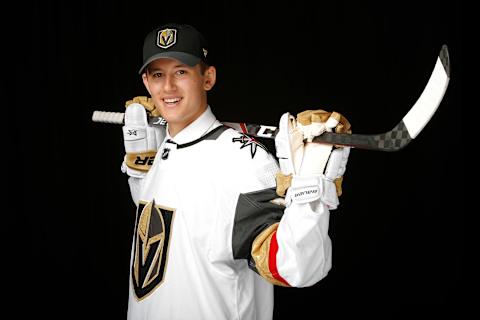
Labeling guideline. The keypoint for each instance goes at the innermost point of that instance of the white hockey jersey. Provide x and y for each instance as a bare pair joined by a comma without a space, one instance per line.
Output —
208,242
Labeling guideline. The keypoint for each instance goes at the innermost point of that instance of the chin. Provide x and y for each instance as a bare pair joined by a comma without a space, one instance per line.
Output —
168,114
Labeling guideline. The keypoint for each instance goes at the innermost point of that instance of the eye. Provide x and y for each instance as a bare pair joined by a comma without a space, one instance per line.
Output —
157,74
181,72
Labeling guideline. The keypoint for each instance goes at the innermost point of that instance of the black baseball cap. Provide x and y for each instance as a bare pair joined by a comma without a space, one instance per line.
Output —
177,41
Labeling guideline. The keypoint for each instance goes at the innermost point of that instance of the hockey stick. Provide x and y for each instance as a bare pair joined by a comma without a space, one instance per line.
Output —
396,139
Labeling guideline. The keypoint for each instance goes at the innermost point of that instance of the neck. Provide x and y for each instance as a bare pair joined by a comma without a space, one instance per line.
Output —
175,128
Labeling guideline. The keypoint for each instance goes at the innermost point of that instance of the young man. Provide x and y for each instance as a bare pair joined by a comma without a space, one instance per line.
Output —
219,220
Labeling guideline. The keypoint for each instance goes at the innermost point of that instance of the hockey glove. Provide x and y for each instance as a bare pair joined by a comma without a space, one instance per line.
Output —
310,171
141,139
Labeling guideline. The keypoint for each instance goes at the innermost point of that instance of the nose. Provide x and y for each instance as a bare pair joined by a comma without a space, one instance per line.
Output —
169,83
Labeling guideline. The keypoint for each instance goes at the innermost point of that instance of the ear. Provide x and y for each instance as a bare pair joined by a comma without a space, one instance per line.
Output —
210,78
145,82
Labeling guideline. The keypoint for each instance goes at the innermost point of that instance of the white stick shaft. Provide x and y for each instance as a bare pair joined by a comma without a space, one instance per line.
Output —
108,117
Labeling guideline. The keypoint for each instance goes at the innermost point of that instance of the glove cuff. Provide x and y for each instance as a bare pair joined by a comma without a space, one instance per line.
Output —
283,183
141,161
304,189
311,188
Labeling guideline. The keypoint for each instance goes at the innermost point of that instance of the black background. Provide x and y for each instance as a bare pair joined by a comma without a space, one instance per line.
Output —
398,233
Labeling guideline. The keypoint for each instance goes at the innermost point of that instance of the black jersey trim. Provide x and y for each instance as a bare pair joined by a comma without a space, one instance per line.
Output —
211,135
253,214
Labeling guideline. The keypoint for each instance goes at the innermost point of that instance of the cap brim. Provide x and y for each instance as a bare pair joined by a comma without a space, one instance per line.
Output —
183,57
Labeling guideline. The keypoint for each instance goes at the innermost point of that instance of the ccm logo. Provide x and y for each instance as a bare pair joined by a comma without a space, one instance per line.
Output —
262,132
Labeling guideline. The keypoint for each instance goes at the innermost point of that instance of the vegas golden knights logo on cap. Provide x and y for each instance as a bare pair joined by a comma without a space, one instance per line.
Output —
166,38
152,237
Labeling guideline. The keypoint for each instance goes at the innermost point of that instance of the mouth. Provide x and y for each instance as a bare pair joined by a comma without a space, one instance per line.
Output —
171,102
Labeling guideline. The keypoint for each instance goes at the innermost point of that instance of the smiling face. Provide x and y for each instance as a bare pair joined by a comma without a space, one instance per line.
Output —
178,91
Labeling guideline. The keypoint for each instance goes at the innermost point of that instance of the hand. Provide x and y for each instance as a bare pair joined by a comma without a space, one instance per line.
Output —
141,140
147,103
310,171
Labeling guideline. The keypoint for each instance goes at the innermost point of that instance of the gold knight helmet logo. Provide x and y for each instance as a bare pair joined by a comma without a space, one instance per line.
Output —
152,235
166,38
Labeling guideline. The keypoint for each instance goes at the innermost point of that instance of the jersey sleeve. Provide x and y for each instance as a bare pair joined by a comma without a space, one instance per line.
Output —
304,254
286,246
254,233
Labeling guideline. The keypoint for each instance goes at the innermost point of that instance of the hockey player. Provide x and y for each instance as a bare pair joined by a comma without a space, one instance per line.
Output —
219,221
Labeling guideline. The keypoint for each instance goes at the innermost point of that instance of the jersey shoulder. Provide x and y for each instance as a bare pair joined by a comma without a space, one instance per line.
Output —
248,159
244,147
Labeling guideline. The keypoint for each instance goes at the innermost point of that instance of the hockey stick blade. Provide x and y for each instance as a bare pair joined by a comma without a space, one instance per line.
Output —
394,140
397,138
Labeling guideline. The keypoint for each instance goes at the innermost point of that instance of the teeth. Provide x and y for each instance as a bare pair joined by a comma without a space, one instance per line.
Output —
171,100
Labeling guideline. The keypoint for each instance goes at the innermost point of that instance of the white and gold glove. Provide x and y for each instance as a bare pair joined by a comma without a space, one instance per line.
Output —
310,171
141,139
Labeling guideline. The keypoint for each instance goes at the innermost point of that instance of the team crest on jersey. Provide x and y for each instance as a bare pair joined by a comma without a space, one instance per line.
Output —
248,141
166,38
152,237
